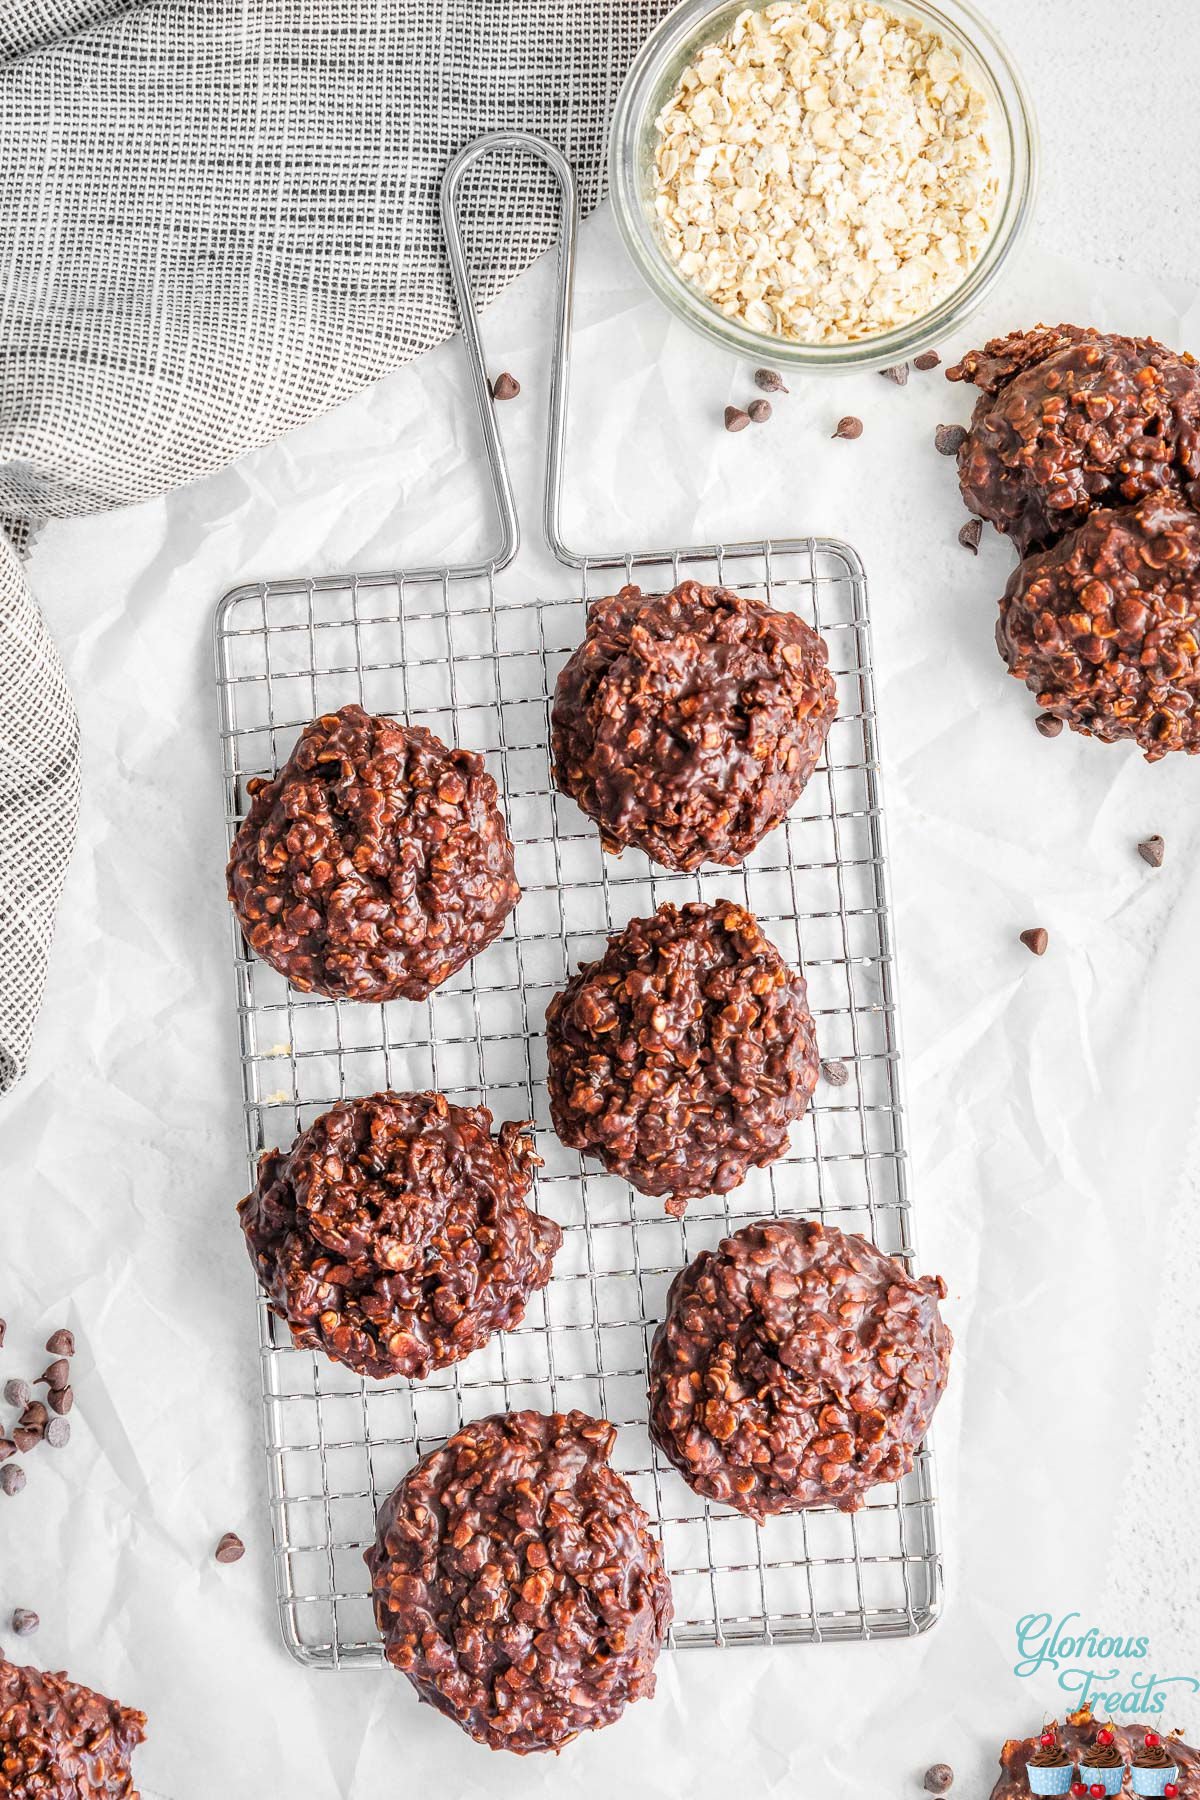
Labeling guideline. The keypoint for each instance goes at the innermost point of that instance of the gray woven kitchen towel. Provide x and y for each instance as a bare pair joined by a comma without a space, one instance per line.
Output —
217,219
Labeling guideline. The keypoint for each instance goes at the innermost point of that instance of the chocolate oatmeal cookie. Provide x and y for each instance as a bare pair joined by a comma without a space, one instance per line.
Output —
686,724
1069,419
375,864
394,1234
797,1366
516,1582
61,1741
1104,629
682,1056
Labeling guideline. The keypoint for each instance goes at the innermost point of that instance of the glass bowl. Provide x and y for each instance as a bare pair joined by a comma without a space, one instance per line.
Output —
651,82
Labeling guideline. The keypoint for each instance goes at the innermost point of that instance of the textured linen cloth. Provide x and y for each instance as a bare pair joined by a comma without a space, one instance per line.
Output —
217,219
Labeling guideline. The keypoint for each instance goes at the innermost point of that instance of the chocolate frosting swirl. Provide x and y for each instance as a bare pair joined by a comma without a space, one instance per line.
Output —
1153,1756
1050,1756
1101,1756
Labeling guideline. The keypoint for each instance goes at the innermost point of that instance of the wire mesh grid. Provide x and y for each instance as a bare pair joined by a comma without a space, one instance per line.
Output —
472,657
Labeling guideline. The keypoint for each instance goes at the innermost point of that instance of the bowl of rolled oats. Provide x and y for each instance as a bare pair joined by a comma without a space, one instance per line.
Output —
827,184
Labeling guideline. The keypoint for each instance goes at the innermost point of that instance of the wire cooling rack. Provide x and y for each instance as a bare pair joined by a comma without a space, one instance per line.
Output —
468,654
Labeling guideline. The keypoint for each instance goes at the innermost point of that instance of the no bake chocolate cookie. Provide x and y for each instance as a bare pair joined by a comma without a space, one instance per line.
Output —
375,864
686,724
394,1234
797,1366
61,1741
1069,419
680,1058
1104,629
517,1584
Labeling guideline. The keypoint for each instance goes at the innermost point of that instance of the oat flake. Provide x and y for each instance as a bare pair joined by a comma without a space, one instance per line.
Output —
823,171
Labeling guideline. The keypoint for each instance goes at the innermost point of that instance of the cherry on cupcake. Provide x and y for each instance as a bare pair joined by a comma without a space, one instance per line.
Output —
1152,1740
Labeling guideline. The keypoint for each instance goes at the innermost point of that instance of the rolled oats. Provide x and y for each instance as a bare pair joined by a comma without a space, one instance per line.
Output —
823,170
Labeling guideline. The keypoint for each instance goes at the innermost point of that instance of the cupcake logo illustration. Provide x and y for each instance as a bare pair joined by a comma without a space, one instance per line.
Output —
1051,1768
1155,1770
1089,1758
1102,1763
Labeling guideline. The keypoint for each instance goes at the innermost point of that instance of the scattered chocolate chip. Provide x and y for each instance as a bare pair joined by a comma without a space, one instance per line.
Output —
35,1416
12,1479
835,1073
505,387
3,1329
27,1438
61,1343
17,1392
1049,725
24,1622
736,419
1036,939
849,427
7,1449
759,411
928,359
770,381
56,1376
1152,850
61,1399
897,373
58,1434
939,1779
970,535
949,439
230,1549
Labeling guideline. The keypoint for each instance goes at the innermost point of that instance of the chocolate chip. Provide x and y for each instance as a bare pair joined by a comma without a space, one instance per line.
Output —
759,411
230,1549
897,373
928,359
770,381
58,1434
835,1073
7,1449
970,535
949,439
26,1438
1036,939
736,419
61,1343
849,427
12,1479
3,1330
35,1416
505,387
61,1399
939,1779
1049,725
24,1622
56,1376
1152,850
17,1392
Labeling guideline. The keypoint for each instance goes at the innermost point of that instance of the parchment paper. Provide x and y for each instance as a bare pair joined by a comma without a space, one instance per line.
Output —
1051,1100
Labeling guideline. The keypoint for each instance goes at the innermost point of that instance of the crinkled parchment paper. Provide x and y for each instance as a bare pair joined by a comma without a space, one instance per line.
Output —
1050,1100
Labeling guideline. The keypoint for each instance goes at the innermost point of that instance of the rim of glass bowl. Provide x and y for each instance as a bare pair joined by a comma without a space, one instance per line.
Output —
652,77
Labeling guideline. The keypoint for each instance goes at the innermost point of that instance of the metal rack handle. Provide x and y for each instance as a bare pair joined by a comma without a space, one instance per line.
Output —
560,365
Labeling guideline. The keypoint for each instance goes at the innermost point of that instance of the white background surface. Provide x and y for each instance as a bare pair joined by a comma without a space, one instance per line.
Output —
1050,1101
